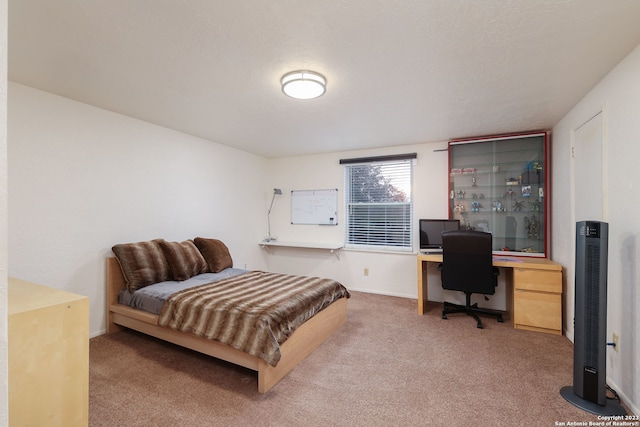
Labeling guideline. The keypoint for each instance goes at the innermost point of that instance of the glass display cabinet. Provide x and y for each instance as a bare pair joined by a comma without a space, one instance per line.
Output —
499,185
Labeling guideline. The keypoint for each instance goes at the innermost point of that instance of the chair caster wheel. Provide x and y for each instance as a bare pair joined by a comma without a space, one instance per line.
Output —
444,316
480,325
500,319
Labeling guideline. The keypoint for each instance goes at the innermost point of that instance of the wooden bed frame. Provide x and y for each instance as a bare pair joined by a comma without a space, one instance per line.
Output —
302,342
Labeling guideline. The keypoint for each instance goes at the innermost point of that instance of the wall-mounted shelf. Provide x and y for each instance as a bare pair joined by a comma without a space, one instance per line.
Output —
334,248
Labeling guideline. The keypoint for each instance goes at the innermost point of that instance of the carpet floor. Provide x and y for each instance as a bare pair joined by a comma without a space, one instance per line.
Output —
387,366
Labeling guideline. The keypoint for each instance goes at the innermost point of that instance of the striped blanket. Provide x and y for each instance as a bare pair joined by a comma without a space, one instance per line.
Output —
254,312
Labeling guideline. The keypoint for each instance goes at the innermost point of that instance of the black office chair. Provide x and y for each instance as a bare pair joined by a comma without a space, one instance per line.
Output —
467,267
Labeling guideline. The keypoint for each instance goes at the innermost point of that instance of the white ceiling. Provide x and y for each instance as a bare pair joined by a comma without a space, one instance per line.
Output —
399,72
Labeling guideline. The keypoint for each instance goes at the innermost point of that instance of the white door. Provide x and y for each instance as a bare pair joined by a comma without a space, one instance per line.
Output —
588,169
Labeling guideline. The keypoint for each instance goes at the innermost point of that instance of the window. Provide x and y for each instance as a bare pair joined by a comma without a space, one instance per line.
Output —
378,202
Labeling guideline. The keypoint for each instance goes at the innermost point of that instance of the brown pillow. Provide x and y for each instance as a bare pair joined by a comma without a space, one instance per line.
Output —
185,260
215,252
142,263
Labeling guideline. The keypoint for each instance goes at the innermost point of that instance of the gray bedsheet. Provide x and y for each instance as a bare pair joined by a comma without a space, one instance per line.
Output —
151,298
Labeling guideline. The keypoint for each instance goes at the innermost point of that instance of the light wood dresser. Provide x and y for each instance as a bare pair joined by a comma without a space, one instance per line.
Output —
48,356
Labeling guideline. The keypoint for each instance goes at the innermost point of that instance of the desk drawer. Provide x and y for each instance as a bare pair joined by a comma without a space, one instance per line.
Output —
537,310
537,280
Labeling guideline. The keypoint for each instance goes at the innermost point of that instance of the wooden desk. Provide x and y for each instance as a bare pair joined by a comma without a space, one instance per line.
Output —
536,301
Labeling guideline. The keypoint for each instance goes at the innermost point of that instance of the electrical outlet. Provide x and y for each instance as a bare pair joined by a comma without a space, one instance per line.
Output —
616,342
366,271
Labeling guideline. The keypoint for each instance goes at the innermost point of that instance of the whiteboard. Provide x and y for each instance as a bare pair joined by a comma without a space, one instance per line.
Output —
314,207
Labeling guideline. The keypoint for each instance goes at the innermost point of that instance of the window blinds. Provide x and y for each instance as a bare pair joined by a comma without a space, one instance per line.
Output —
379,204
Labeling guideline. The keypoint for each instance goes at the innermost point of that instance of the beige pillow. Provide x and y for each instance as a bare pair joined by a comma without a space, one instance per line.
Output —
142,263
185,260
215,252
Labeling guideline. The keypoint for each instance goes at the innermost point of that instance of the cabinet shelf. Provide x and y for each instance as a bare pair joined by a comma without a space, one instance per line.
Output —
486,212
498,184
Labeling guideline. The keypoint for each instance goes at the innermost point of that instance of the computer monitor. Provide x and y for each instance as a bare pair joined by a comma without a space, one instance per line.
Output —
431,231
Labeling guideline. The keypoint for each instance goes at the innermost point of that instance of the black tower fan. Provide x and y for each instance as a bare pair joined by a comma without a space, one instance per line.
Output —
590,322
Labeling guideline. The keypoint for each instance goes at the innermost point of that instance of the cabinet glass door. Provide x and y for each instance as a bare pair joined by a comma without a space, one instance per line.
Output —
499,185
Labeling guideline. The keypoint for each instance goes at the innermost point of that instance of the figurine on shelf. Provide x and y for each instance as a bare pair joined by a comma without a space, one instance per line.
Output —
497,206
474,181
512,181
517,206
461,194
535,206
509,193
475,206
459,207
481,196
481,225
532,226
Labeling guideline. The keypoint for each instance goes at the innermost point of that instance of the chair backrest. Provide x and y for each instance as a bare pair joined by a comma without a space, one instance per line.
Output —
467,263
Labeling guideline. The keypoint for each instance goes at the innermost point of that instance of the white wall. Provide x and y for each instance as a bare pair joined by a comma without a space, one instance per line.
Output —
618,96
82,179
4,377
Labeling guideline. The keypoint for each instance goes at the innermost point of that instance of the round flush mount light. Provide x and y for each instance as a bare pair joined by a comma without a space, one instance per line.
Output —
303,84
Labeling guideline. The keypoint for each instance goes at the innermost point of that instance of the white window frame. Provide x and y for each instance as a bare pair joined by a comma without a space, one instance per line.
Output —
394,231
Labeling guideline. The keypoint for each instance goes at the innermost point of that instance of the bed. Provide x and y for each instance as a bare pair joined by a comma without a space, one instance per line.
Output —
297,345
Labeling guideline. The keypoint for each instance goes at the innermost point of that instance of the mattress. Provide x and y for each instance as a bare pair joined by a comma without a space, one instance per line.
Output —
151,298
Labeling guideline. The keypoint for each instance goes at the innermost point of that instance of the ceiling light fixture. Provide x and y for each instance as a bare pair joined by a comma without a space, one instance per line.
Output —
303,84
